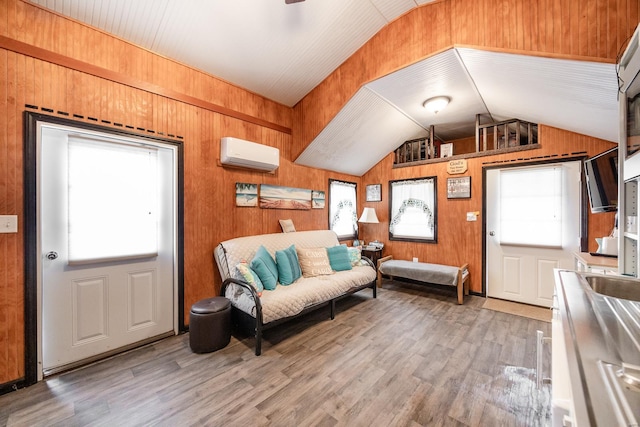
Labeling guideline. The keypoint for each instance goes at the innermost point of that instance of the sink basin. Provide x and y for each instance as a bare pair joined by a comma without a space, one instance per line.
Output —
614,286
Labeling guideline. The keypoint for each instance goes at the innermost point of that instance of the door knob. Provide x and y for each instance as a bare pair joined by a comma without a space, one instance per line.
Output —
52,255
492,233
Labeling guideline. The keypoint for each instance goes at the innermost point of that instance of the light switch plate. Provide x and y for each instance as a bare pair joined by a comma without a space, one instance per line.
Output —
8,223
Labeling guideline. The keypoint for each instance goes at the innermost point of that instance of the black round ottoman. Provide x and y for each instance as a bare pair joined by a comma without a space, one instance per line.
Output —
210,324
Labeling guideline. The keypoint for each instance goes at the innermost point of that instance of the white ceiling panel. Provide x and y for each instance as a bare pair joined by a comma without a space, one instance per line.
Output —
439,75
579,96
260,45
575,95
364,132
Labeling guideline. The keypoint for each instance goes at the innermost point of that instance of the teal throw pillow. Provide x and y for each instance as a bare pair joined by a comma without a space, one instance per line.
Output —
339,258
265,267
250,277
288,265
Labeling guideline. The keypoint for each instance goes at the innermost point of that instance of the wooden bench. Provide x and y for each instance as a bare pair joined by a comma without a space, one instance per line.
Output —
427,273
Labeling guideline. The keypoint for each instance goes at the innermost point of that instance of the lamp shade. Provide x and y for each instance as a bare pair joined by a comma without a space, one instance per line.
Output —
369,215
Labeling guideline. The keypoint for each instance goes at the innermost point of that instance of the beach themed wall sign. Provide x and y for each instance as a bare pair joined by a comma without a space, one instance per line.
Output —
278,197
246,194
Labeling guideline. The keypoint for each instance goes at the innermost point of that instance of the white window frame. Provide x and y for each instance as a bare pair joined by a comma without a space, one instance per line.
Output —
415,200
343,208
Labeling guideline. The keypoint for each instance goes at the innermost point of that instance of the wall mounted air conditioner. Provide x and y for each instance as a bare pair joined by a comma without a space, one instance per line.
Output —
240,153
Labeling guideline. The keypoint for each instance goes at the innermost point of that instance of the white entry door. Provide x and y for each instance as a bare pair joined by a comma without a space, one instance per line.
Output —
533,226
106,231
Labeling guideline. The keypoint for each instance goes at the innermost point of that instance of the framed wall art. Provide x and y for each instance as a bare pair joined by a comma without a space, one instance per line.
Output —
246,194
317,199
459,188
279,197
374,193
446,150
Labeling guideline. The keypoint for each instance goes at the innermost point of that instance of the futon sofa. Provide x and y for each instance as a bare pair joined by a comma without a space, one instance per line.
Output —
256,308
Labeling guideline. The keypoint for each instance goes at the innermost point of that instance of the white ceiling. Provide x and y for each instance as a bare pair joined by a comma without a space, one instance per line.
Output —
280,51
283,51
578,96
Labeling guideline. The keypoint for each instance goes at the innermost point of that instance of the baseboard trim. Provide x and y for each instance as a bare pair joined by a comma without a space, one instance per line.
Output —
11,386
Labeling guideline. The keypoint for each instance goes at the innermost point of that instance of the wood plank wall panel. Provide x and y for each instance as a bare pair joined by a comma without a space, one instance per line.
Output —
577,29
210,212
11,273
460,241
74,39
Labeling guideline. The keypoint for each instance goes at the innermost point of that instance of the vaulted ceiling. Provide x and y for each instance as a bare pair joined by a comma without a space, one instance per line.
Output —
282,51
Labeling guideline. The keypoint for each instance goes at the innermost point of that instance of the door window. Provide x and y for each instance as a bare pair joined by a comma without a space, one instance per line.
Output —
113,211
531,206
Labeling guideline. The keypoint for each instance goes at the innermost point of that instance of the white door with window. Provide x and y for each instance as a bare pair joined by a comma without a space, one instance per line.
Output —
106,233
533,226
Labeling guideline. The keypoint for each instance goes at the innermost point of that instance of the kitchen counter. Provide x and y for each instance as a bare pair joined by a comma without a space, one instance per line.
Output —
592,263
600,333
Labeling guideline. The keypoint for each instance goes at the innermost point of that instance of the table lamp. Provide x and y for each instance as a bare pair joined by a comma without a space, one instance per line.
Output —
368,217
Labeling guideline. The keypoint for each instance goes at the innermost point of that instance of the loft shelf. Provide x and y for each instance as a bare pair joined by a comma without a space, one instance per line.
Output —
419,149
491,138
505,134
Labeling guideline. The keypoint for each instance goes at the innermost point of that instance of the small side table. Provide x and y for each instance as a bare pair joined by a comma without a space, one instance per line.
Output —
210,324
373,254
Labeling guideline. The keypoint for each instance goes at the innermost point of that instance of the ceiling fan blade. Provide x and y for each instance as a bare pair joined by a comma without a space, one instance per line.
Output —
292,1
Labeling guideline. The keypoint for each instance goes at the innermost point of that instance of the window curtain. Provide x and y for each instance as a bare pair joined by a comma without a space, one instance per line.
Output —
531,206
413,209
343,217
113,200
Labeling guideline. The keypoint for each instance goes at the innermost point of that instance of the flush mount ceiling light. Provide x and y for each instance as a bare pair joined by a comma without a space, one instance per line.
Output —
436,103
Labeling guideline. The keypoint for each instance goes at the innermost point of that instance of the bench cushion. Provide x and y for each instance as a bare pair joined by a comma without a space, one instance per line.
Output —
421,271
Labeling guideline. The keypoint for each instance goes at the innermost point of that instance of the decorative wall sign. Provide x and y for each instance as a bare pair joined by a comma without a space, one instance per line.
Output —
374,193
457,166
317,199
278,197
459,188
246,194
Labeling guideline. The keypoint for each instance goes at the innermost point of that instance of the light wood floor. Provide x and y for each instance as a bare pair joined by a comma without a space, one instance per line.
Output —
410,357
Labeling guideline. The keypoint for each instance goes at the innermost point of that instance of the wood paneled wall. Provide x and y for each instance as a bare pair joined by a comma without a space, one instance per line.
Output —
210,214
137,88
460,241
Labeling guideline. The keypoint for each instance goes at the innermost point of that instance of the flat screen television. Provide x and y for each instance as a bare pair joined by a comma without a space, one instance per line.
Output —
602,181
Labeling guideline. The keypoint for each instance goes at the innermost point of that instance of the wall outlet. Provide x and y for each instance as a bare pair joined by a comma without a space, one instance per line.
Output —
8,223
415,259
